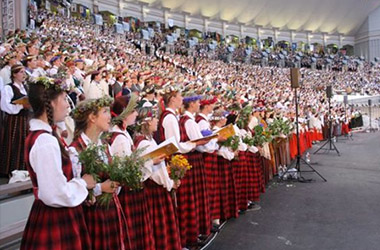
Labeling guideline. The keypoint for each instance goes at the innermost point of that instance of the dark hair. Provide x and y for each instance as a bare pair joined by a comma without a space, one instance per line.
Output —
40,99
93,76
15,69
118,107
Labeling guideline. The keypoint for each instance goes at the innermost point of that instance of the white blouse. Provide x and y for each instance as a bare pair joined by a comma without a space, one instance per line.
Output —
160,174
225,152
171,125
193,132
45,158
6,97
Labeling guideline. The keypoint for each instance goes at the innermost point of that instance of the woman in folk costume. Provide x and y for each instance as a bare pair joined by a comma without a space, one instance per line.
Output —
15,124
105,223
265,150
254,180
190,130
207,105
227,188
163,219
134,202
56,220
239,164
169,127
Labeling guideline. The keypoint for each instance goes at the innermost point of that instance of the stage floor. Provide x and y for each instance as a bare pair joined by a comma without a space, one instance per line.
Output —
342,213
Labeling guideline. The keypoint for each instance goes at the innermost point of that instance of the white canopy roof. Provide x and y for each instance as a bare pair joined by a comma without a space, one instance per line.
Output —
330,16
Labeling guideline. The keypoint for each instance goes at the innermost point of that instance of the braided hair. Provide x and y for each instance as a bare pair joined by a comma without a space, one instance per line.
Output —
40,99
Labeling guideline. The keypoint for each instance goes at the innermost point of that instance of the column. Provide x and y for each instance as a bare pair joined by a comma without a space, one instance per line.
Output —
224,28
205,25
242,35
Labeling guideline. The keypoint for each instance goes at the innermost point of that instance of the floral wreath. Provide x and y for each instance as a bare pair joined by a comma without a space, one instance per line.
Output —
51,83
90,105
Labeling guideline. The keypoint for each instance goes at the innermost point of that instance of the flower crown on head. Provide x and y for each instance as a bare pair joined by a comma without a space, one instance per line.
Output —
92,105
51,83
152,113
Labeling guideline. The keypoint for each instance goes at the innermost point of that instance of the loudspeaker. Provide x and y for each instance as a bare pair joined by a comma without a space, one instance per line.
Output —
369,102
345,100
295,77
328,91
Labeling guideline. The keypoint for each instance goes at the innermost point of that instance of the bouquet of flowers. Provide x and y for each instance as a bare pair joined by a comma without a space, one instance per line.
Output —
249,141
177,167
260,136
127,170
280,127
94,159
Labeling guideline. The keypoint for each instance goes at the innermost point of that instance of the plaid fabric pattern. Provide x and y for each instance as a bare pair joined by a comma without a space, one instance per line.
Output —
103,223
194,186
186,210
212,183
135,204
228,195
103,226
254,176
163,218
53,228
240,169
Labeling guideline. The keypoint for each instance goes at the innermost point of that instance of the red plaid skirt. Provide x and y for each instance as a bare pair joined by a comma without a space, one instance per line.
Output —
186,210
228,195
255,184
163,218
135,206
105,226
240,169
197,180
213,183
55,228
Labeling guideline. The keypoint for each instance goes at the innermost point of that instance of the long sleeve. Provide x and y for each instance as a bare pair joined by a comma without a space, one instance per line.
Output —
171,126
194,133
204,125
53,188
226,153
160,174
6,105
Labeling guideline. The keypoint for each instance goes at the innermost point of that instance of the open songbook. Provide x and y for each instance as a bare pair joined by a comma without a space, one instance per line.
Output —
226,131
209,137
167,148
23,101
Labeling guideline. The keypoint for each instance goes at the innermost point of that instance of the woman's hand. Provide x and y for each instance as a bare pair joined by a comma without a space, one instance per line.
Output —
221,138
177,184
90,181
109,186
202,142
159,159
